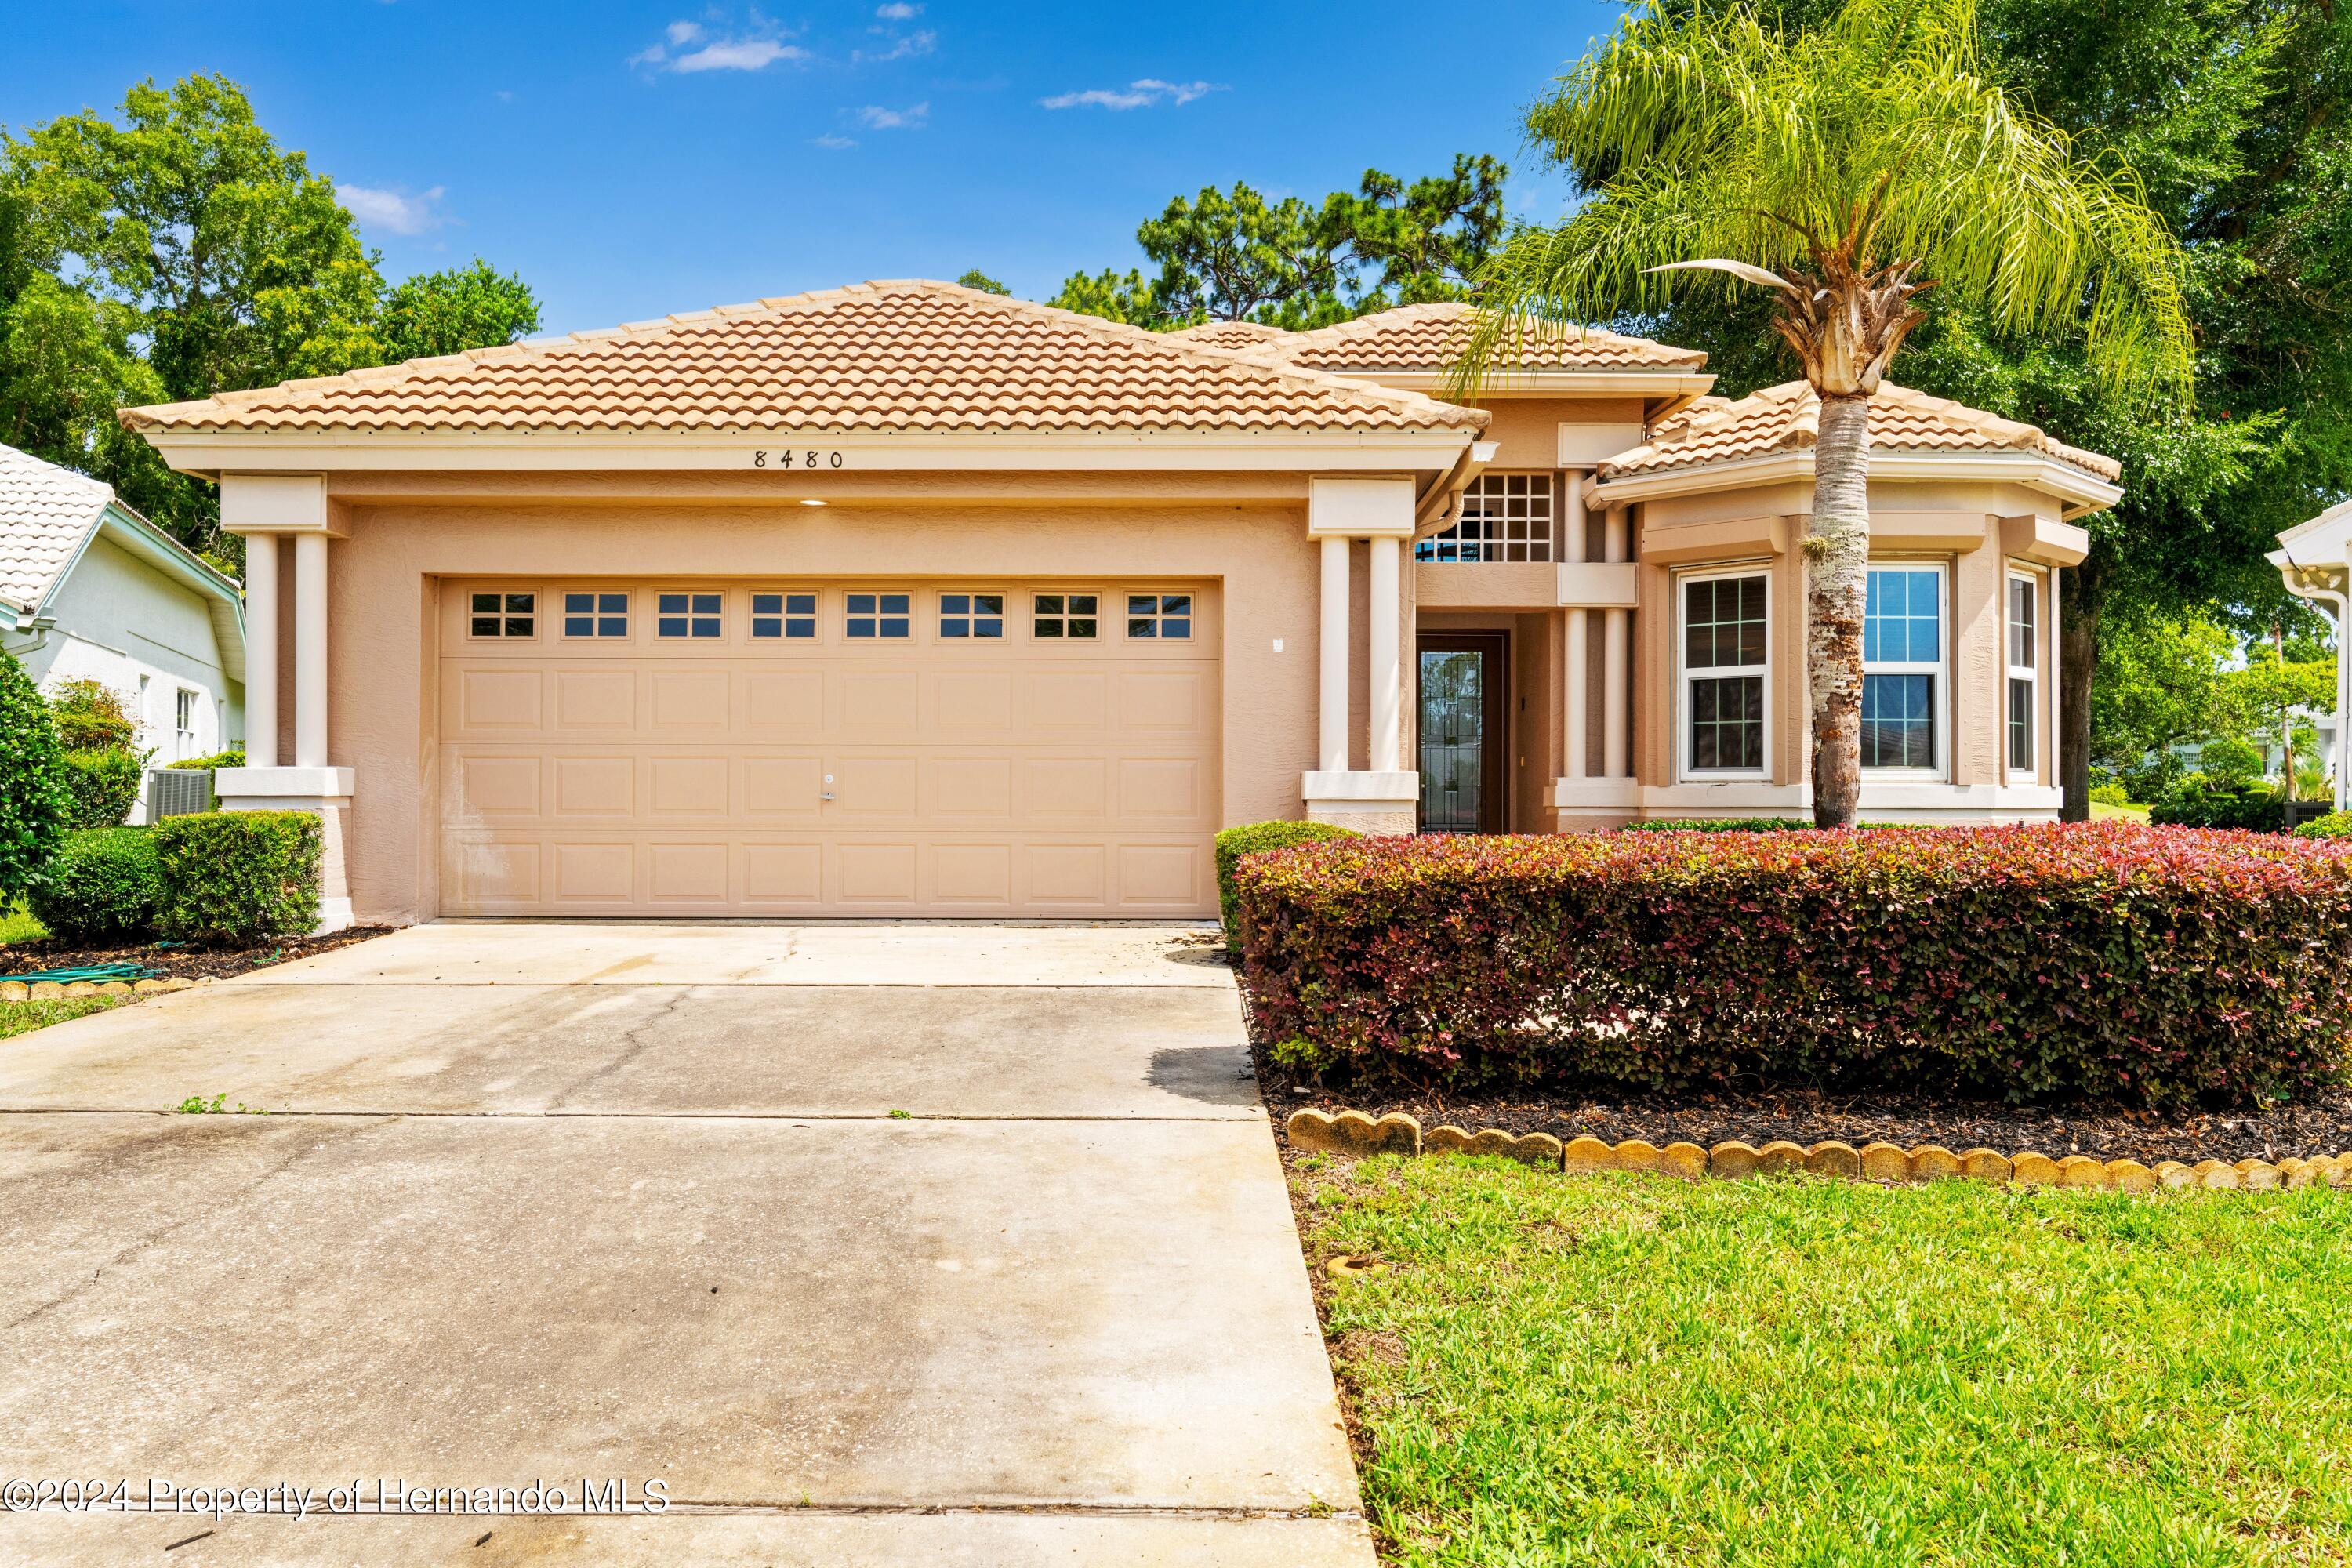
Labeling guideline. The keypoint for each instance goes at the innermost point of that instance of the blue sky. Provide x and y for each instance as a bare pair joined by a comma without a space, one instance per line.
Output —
634,159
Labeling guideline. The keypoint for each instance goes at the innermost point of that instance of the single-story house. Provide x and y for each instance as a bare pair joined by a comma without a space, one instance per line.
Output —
906,599
92,591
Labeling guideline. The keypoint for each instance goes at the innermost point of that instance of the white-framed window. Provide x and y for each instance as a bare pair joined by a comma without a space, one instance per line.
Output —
596,613
877,614
2025,645
1726,653
696,617
786,615
1068,617
1505,517
964,617
1903,681
183,720
502,615
1167,617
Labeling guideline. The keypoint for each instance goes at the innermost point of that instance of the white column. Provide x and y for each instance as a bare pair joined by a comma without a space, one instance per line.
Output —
309,650
1614,629
1387,610
1575,677
261,650
1334,733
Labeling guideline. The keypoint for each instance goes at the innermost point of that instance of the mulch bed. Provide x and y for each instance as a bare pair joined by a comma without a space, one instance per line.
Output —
177,962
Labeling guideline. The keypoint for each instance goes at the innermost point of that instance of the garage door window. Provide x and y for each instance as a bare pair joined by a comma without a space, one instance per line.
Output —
503,616
783,615
1166,617
595,615
1065,617
971,615
877,614
687,615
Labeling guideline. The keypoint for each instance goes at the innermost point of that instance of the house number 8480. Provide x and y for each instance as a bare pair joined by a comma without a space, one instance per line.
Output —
810,458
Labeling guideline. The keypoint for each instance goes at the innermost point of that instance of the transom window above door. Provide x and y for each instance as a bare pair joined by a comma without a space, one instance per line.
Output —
687,615
877,614
597,614
502,616
783,615
1066,616
1166,617
971,615
1903,667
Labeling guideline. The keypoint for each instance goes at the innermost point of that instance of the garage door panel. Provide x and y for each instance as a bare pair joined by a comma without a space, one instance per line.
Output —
818,774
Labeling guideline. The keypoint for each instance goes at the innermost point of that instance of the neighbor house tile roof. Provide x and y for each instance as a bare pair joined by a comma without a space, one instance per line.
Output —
1787,419
882,358
1429,338
1230,334
44,510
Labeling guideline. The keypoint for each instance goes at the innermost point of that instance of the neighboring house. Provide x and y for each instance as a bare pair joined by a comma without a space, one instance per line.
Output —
2314,561
906,599
92,591
2192,752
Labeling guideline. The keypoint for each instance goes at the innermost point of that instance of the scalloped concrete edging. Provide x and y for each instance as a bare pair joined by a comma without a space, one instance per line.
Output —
1355,1133
55,991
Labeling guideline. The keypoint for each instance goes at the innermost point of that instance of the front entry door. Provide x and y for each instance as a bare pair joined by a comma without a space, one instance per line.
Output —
1464,677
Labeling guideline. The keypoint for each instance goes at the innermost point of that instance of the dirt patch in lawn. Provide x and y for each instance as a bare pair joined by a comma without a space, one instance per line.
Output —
176,962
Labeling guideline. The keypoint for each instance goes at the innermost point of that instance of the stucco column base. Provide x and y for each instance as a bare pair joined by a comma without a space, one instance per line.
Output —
327,792
1382,803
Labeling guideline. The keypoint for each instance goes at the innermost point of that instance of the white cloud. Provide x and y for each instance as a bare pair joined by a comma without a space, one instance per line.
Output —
393,211
874,117
923,41
898,11
688,46
832,142
1138,94
682,33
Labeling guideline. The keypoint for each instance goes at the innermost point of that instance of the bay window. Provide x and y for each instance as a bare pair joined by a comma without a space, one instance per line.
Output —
1902,691
1725,663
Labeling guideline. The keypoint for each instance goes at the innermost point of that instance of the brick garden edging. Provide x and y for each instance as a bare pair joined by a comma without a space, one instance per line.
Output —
1353,1132
53,991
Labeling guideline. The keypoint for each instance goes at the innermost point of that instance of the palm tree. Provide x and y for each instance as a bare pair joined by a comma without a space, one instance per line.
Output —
1848,168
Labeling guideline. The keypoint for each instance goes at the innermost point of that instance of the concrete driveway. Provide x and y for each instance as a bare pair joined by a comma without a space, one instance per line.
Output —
868,1243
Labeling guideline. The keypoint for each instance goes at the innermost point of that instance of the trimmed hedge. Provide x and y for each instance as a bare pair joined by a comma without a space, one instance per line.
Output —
1249,839
34,796
1718,825
232,878
103,784
2107,960
2199,800
102,884
232,758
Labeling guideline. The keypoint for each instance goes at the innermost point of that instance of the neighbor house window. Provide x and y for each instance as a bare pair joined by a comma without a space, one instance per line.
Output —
502,615
1505,517
1167,616
184,721
1064,615
877,614
595,615
686,615
783,615
1902,667
1727,656
971,615
2024,666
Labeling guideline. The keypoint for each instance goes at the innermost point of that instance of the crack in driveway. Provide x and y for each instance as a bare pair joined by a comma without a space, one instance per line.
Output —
636,1047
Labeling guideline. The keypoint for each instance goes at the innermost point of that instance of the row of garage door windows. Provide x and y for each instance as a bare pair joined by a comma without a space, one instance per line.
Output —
694,616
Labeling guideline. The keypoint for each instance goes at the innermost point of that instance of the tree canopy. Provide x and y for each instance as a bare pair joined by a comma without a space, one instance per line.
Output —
179,251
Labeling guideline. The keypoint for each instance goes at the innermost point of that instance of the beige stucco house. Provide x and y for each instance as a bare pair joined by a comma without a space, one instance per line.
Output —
905,599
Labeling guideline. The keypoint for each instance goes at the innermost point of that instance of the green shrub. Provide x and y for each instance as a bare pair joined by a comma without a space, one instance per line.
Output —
2200,800
34,794
232,878
1249,839
102,884
2230,758
90,717
2334,824
2104,960
103,784
1718,825
2149,778
232,758
2111,795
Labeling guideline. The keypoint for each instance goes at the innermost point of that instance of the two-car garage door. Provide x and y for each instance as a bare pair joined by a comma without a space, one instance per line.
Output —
797,747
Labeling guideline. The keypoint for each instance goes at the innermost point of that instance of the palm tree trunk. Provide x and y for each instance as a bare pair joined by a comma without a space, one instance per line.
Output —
1837,553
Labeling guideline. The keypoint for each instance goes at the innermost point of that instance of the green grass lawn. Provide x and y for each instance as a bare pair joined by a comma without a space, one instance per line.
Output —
2101,812
21,1017
1621,1369
17,924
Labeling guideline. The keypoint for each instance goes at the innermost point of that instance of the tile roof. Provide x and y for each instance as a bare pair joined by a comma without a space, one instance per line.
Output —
883,358
1429,338
1787,419
44,510
1230,334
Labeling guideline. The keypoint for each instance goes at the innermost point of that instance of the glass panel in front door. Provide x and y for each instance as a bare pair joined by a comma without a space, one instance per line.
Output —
1453,740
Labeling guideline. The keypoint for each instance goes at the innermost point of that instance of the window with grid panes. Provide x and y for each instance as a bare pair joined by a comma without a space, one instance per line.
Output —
687,615
1505,517
783,615
1167,617
1062,617
503,615
1727,655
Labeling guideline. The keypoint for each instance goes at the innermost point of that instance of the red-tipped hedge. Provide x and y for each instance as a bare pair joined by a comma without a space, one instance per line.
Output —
2106,960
